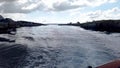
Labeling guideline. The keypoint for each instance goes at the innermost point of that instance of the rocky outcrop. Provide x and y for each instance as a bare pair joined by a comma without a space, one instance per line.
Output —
7,24
27,24
1,17
108,26
103,25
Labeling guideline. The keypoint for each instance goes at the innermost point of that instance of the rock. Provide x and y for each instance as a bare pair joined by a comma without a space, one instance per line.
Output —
7,24
1,17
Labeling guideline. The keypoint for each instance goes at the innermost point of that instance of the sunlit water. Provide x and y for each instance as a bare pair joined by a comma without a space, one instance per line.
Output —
57,47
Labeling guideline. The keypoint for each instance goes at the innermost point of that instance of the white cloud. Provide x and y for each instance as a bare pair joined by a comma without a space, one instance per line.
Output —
112,1
113,13
22,1
15,16
74,4
19,9
26,6
33,6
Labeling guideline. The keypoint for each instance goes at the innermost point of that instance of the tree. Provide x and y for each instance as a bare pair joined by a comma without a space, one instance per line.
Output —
78,22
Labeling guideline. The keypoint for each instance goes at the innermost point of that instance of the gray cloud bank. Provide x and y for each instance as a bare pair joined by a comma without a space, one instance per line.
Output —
27,6
17,6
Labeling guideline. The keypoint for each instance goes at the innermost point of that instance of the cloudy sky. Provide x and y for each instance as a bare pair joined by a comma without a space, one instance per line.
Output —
60,11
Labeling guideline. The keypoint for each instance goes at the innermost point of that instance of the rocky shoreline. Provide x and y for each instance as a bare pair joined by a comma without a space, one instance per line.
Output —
108,26
7,25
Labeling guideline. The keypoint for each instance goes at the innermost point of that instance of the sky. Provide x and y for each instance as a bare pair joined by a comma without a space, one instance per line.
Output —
60,11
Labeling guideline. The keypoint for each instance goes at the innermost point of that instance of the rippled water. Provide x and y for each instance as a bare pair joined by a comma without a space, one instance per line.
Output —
57,47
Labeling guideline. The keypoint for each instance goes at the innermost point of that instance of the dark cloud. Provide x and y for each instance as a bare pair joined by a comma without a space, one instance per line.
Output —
64,6
7,0
27,6
10,8
13,6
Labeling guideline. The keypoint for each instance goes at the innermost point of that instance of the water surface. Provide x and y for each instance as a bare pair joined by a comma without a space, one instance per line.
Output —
57,47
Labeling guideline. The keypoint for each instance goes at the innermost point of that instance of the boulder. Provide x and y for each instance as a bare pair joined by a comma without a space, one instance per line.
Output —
1,17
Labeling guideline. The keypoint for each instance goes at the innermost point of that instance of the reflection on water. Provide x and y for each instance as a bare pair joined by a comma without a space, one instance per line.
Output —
52,47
